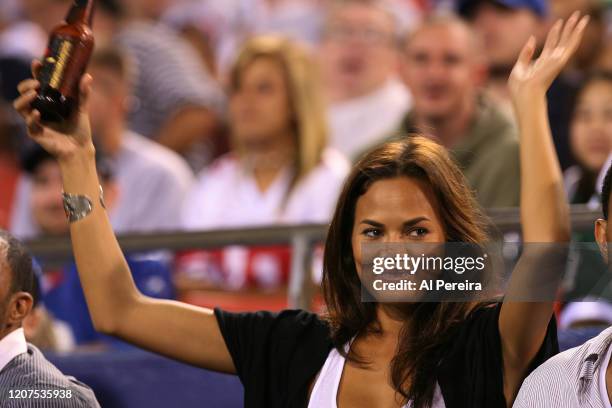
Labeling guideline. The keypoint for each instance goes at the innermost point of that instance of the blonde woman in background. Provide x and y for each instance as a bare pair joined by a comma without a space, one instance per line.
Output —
279,169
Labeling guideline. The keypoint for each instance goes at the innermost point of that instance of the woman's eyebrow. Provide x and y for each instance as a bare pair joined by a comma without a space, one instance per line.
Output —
407,223
372,223
415,221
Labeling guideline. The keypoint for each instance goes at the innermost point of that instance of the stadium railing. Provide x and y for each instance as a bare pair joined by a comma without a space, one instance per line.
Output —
301,238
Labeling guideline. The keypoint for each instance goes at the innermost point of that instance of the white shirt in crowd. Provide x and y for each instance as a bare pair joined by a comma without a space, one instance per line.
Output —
22,39
12,345
153,182
226,196
361,123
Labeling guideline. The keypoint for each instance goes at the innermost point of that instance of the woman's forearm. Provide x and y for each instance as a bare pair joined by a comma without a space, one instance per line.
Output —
544,209
105,276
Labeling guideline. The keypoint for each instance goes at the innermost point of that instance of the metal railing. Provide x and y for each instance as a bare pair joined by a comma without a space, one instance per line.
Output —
301,238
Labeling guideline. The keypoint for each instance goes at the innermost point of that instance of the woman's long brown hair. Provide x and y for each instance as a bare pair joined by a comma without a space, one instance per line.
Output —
427,331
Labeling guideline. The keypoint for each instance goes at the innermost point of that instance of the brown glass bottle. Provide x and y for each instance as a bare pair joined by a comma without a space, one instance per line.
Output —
68,52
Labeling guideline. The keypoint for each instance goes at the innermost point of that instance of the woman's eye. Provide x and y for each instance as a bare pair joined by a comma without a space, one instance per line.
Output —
418,232
372,232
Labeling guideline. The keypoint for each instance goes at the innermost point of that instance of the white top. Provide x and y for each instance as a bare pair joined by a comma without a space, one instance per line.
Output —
325,391
153,182
226,196
11,346
603,368
360,123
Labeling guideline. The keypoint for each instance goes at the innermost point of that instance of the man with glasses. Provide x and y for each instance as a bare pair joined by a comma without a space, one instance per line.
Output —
359,59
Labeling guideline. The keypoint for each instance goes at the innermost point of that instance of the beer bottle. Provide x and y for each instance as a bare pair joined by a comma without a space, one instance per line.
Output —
68,52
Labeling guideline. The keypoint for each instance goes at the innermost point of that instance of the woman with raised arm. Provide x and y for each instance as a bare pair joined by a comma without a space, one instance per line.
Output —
361,354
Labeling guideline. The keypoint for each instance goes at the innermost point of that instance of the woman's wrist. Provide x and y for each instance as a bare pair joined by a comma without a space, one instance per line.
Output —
529,104
79,172
529,93
78,158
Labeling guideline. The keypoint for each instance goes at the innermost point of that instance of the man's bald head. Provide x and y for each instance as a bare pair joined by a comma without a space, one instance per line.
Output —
452,23
443,67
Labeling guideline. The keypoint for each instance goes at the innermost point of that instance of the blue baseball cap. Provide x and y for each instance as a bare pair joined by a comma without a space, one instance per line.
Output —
539,7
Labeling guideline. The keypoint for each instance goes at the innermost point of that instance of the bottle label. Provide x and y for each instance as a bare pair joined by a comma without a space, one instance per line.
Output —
63,54
63,65
55,61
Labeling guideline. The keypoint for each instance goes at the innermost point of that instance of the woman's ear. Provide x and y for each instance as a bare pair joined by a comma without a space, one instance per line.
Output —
601,227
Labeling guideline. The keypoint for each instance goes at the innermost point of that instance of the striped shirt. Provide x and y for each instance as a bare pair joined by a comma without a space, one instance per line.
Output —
570,379
169,76
30,381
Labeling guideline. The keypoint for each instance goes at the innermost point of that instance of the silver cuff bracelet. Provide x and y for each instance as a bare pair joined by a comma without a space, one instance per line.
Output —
79,206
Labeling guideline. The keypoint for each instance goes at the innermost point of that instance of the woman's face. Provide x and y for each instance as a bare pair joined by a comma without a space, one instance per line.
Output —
260,108
591,127
397,210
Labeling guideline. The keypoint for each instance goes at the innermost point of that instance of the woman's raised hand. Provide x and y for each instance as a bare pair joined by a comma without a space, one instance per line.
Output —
531,78
66,140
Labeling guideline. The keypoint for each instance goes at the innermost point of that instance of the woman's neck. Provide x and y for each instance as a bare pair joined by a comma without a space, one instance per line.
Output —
267,160
379,347
391,319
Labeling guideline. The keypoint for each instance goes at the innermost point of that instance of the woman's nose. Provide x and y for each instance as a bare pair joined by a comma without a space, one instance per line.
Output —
394,236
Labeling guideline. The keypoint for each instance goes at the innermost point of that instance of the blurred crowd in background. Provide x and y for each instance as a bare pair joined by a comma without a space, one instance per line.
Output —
213,114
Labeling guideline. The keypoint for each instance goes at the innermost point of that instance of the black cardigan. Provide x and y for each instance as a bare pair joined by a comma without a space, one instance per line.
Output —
277,355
